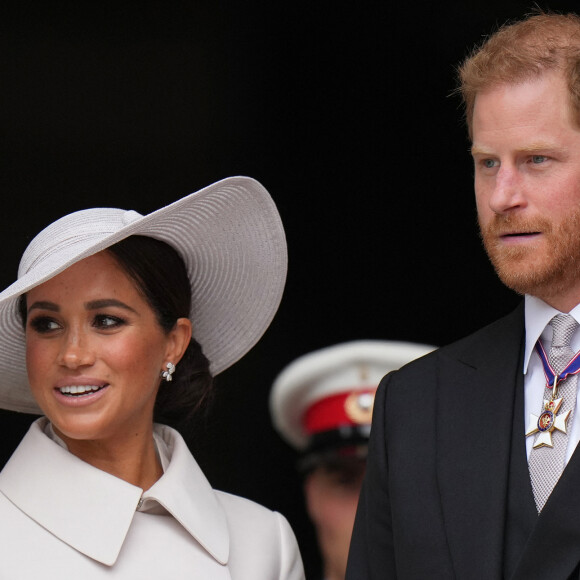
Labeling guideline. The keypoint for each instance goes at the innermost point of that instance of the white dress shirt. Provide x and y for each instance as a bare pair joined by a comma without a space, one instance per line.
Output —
538,314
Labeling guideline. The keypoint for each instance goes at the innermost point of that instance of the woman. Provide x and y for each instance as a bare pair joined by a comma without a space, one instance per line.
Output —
96,335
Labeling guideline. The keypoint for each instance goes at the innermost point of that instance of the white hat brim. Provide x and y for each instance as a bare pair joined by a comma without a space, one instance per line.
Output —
231,239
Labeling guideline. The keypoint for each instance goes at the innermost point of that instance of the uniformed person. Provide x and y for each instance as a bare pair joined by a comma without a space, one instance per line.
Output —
321,404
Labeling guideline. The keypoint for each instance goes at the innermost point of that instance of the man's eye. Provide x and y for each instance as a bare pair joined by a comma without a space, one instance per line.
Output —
107,321
489,163
44,324
537,159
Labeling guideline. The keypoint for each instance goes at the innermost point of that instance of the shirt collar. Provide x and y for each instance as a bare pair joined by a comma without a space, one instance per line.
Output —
51,486
537,315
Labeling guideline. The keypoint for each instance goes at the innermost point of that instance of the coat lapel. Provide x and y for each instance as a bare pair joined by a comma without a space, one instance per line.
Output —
475,419
63,494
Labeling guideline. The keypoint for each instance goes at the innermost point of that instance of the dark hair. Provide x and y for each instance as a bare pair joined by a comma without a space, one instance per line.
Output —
160,276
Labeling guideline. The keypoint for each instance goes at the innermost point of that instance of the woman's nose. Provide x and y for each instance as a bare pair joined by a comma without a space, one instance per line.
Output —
75,351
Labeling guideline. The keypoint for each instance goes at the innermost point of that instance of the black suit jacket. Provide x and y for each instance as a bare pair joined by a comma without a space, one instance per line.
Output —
445,475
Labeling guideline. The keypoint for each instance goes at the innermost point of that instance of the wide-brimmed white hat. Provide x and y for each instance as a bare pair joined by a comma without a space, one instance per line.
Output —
231,239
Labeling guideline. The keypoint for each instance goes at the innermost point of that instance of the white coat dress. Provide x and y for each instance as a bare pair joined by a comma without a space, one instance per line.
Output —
61,518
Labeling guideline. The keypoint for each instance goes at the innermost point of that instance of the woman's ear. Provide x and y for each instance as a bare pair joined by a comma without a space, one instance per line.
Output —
178,340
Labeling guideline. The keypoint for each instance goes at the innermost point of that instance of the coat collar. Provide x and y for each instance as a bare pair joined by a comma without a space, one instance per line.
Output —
476,388
185,492
92,511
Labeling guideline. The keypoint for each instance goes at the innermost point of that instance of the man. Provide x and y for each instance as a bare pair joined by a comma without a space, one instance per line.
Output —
321,404
472,472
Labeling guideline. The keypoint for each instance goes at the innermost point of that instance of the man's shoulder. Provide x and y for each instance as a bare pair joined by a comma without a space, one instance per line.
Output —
500,331
487,342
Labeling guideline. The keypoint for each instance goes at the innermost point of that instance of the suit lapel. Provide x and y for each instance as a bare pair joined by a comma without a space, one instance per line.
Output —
475,419
521,514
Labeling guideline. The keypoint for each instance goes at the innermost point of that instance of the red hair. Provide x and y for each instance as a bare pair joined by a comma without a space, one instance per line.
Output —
521,51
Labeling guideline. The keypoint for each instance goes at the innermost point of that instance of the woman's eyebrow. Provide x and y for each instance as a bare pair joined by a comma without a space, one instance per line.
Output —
92,305
105,302
44,305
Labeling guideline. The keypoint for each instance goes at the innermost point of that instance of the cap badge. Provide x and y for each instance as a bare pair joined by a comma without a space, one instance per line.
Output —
359,407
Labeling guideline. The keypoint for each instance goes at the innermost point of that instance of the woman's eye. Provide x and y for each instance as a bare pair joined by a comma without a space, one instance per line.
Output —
106,321
44,324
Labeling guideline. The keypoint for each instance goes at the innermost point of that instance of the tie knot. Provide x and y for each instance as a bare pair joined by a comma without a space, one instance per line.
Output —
564,327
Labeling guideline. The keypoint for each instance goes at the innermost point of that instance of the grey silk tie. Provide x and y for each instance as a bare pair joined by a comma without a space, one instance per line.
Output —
547,463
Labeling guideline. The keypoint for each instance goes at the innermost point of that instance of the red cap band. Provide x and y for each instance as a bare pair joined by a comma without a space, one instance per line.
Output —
348,408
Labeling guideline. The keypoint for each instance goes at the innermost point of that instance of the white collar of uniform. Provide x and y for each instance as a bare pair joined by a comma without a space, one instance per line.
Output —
62,493
538,314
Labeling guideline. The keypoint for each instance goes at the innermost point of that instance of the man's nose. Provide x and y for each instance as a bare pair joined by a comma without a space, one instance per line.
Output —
508,191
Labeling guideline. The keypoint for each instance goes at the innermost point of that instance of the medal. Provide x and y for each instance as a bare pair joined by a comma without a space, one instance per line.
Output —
549,421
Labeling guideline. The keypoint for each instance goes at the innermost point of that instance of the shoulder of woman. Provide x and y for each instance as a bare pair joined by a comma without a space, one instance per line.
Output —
260,537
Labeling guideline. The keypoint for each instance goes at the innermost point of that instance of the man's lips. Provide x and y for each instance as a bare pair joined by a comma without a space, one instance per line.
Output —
516,236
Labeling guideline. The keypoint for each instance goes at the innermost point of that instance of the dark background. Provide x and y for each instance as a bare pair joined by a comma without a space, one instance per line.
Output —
342,110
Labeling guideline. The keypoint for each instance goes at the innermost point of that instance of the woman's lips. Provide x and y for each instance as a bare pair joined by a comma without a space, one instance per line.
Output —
77,395
75,390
